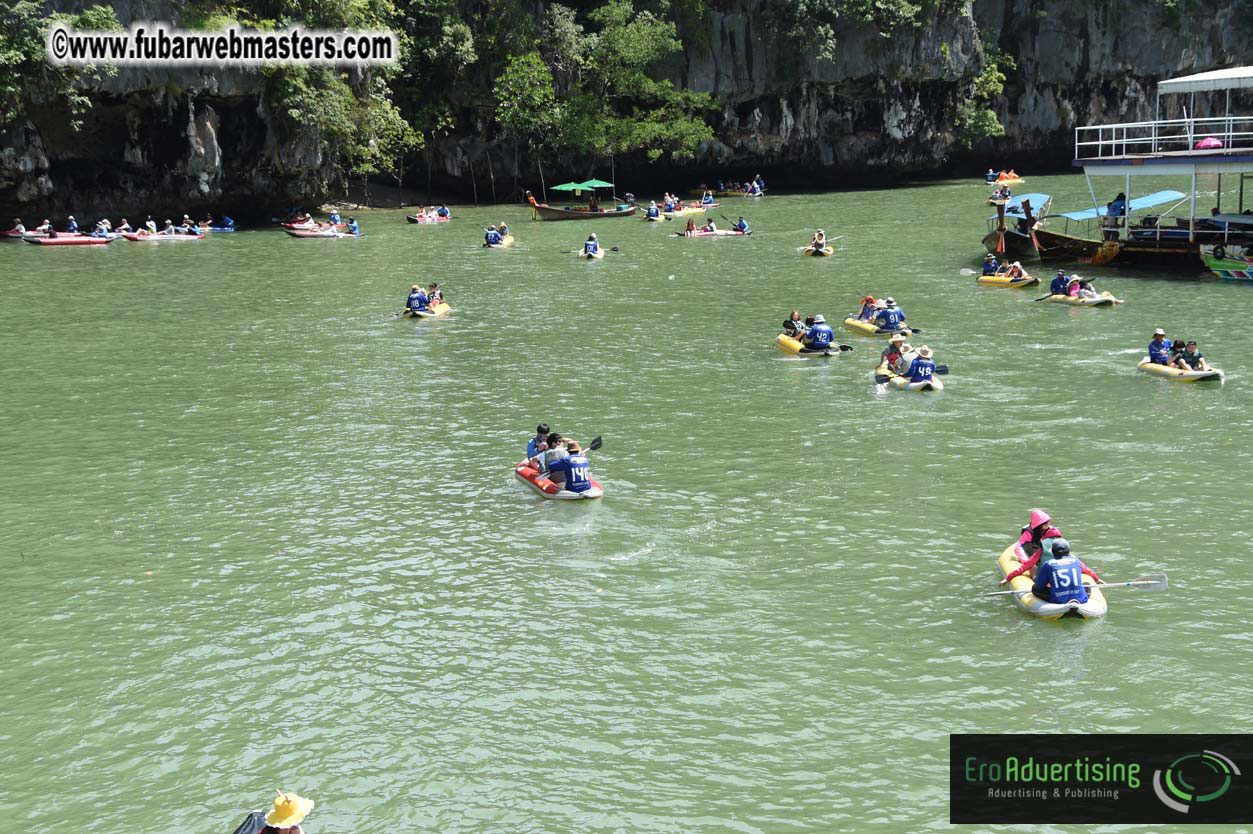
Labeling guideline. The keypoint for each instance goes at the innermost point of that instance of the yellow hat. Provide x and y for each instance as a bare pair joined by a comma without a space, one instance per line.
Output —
289,809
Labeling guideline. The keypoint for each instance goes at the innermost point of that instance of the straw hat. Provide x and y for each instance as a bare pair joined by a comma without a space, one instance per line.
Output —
897,337
289,810
924,352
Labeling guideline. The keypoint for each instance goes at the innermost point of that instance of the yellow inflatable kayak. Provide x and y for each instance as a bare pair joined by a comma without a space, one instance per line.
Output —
869,328
796,348
661,218
1105,299
900,382
679,212
1096,606
1149,367
438,310
507,240
824,252
1003,280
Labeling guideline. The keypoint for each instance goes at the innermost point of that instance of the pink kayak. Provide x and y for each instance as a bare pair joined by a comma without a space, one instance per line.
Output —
715,233
426,218
149,238
314,226
22,235
68,240
325,233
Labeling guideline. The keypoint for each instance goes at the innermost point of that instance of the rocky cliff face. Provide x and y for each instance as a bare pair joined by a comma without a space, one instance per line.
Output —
171,141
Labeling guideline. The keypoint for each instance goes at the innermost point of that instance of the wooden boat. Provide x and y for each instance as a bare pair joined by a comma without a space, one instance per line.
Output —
1013,229
547,212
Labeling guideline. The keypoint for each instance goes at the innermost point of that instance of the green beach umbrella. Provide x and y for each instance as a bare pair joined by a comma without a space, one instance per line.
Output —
569,186
597,184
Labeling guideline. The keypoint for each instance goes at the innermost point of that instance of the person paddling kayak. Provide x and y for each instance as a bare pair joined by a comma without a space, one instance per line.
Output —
574,467
1059,579
819,241
1038,535
740,225
591,246
819,337
418,301
892,353
492,237
922,368
653,211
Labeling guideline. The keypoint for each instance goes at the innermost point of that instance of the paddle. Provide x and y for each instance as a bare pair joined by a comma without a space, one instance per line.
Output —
580,251
912,329
594,445
1148,582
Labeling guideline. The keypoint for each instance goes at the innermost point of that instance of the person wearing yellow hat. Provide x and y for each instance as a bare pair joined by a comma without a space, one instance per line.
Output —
289,809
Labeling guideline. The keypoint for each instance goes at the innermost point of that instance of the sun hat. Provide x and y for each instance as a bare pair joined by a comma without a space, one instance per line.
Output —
289,810
819,319
897,337
1039,517
924,352
880,304
891,302
1159,332
416,287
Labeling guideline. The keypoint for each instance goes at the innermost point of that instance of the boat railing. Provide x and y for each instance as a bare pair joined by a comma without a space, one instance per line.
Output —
1154,227
1174,137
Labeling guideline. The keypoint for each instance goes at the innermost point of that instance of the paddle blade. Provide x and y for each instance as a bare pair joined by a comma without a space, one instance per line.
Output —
595,444
881,379
941,369
1150,582
965,272
846,348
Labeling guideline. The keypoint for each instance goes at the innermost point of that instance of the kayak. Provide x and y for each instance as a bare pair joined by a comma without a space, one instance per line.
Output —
1003,280
507,240
324,233
661,218
1150,367
22,235
594,256
902,383
159,237
699,205
311,226
438,310
796,348
682,210
1010,181
216,229
1105,299
714,233
1096,605
824,252
427,218
69,240
531,476
869,328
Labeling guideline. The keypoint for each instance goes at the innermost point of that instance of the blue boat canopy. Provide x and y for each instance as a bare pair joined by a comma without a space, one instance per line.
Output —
1157,198
1014,207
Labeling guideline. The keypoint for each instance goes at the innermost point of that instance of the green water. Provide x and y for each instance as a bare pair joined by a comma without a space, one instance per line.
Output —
257,534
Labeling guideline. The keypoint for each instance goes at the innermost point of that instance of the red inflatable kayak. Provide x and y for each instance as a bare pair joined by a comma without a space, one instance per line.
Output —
22,235
158,237
312,227
426,218
715,233
67,240
531,476
325,233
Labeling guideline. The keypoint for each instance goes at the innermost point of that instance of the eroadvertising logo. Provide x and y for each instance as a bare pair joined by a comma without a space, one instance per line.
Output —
1113,778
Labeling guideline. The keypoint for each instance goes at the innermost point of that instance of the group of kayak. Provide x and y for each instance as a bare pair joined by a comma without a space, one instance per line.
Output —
431,214
738,229
1002,177
425,304
756,187
305,226
104,230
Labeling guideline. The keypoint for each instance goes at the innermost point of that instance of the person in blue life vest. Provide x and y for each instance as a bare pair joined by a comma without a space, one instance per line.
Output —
740,225
1060,579
591,246
334,219
889,317
653,211
819,337
71,226
539,442
353,228
990,176
668,202
922,369
418,301
707,198
573,467
442,211
990,264
1159,348
492,237
1059,283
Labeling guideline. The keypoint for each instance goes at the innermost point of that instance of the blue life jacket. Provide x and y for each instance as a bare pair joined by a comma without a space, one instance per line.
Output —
334,218
989,267
72,227
1159,354
1064,578
353,228
417,301
228,223
1058,286
441,211
740,226
590,247
820,336
920,370
493,237
653,211
706,199
576,468
891,318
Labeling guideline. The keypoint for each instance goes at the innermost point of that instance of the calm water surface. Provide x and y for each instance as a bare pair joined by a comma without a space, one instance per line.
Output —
258,533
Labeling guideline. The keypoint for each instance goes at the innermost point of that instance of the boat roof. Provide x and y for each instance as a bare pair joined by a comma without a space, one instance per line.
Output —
1232,78
1014,206
1157,198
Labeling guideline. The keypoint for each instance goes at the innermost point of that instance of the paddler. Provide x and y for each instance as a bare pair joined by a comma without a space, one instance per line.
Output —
591,246
1058,285
435,294
690,227
905,360
653,211
503,229
417,302
793,326
889,317
492,237
1036,539
573,468
990,264
740,225
533,446
990,176
709,226
1058,580
819,337
150,225
353,227
1191,359
169,227
18,228
334,219
443,211
71,226
922,369
708,198
867,311
123,227
1159,348
892,353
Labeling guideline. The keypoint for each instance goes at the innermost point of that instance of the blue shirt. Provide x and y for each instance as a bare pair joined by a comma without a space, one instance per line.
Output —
493,237
441,211
1058,286
591,247
576,469
920,370
353,228
820,336
72,227
1159,352
334,218
1117,207
706,199
532,448
653,211
417,301
989,267
740,226
1064,578
891,318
